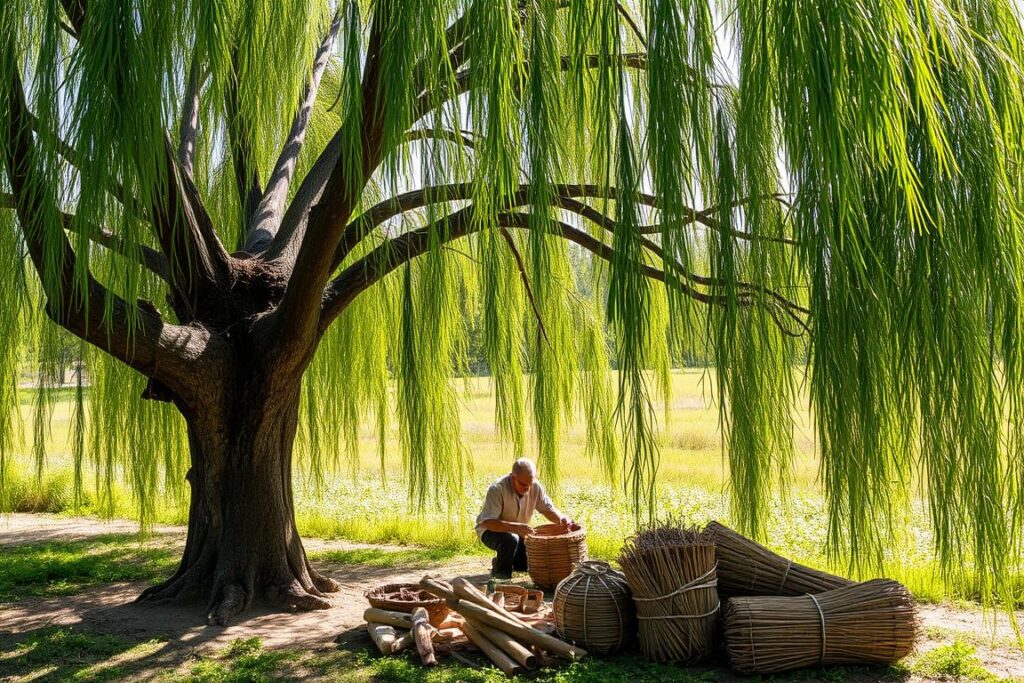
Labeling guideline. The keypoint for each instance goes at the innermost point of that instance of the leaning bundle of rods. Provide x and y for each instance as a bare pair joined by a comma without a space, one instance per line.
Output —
865,623
748,568
671,572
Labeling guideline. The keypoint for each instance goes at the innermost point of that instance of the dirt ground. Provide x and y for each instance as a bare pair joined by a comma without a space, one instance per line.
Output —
110,609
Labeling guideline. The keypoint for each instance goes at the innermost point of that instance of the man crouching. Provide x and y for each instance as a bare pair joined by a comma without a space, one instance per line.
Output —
503,523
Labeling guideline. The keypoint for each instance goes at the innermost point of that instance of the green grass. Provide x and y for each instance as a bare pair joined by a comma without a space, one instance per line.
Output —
66,567
381,557
69,654
365,500
956,661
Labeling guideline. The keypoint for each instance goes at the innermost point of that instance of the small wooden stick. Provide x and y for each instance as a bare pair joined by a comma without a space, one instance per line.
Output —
421,633
383,616
383,637
493,652
498,599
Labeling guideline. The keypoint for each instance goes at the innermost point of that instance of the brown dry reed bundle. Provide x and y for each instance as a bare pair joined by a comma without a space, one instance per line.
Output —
594,608
671,571
552,552
746,567
866,623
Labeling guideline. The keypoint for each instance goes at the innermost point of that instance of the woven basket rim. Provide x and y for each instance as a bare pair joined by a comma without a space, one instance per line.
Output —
376,593
543,535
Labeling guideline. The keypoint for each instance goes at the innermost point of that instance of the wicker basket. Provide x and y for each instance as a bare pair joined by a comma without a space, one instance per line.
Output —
594,608
552,553
390,597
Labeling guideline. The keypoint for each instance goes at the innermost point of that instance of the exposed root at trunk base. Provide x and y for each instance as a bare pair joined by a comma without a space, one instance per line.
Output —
233,600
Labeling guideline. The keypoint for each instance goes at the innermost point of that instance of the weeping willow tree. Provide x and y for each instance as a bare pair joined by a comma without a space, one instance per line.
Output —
275,220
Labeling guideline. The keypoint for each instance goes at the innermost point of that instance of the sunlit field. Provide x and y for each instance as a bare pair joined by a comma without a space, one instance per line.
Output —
364,499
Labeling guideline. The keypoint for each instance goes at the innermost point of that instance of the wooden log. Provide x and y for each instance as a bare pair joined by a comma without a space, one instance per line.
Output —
520,632
421,633
403,642
501,660
383,636
509,645
441,589
383,616
467,591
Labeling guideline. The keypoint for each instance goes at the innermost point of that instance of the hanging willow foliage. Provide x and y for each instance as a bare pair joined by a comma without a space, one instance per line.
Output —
585,191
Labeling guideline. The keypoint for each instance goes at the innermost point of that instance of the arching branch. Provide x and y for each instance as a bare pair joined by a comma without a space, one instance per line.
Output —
564,196
132,333
396,251
267,219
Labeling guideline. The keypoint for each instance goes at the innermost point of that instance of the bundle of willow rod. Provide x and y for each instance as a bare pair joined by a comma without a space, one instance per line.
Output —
593,607
866,623
746,567
671,572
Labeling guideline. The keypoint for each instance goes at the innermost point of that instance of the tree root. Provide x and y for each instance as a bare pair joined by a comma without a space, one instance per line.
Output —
297,598
233,600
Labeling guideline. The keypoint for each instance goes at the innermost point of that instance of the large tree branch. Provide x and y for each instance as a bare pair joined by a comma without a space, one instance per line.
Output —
197,261
563,197
398,250
132,333
269,212
247,178
188,128
299,310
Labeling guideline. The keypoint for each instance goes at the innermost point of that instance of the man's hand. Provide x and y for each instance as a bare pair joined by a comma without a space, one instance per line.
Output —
521,529
564,521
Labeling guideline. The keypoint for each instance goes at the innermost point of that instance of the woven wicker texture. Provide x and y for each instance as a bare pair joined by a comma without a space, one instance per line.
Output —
406,597
671,572
594,608
748,568
552,552
867,623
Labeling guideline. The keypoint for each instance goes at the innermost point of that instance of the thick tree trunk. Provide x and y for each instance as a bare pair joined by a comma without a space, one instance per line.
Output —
242,541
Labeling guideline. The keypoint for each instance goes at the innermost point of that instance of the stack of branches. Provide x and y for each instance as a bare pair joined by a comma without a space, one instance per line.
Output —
510,643
866,623
746,567
393,632
671,572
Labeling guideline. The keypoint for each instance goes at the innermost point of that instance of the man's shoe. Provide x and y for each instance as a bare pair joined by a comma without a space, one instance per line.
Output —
501,576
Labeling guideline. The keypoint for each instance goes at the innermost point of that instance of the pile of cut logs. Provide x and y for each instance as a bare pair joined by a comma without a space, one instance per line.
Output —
509,642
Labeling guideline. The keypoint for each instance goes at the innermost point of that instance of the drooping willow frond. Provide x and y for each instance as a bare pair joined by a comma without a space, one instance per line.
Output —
580,192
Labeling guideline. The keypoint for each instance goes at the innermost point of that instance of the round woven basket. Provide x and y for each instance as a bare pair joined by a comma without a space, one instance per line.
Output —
594,608
552,553
389,597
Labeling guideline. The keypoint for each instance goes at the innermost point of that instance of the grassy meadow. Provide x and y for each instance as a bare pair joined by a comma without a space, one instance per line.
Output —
365,499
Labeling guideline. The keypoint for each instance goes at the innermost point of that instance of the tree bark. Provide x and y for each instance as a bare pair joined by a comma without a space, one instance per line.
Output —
242,542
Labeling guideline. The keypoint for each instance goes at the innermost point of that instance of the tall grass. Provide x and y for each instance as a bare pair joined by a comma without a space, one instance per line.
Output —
361,502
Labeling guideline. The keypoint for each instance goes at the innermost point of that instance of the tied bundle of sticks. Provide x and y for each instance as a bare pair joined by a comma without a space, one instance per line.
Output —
866,623
671,572
511,644
393,632
748,568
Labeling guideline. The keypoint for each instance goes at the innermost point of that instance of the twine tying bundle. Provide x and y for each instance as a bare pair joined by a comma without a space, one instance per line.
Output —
865,623
672,574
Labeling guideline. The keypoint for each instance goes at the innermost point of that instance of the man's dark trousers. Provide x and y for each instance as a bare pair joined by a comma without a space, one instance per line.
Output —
511,552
